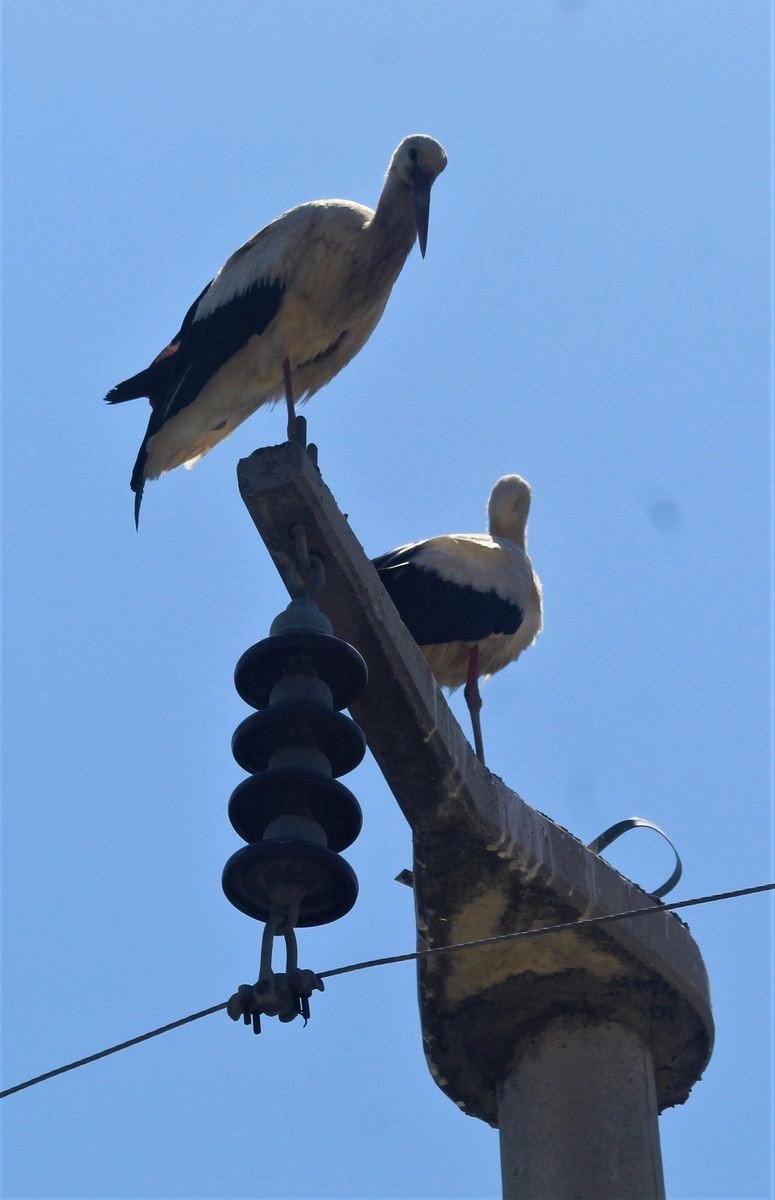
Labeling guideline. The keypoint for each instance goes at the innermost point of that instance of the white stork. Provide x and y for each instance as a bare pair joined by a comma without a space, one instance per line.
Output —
283,315
471,601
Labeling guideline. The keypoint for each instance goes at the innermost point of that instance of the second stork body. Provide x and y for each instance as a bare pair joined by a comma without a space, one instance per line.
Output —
471,601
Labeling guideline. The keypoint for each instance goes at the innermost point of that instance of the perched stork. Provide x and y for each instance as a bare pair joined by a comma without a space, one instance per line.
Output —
283,315
471,601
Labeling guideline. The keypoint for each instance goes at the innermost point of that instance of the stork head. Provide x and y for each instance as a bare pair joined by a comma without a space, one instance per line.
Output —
417,162
508,508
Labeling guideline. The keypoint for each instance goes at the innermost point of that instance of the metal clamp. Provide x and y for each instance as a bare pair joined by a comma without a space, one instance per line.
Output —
283,994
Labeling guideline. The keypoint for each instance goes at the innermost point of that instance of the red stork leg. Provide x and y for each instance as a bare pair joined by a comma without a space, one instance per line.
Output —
474,701
289,399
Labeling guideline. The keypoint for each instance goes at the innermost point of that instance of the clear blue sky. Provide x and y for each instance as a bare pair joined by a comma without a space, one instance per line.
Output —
593,313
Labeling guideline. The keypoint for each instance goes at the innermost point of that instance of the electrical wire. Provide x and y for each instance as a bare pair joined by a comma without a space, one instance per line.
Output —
398,958
143,1037
546,929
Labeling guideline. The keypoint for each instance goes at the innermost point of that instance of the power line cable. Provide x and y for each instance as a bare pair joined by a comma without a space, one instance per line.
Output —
545,929
81,1062
398,958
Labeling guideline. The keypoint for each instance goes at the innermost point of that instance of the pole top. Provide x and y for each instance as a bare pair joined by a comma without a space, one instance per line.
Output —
485,862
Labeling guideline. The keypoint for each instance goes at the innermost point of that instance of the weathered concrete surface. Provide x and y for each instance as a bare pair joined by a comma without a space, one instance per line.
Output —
485,862
578,1116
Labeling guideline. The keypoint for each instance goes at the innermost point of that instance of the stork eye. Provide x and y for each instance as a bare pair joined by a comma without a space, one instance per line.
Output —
413,155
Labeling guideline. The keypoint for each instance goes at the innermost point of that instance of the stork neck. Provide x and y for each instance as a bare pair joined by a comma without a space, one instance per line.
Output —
511,533
393,226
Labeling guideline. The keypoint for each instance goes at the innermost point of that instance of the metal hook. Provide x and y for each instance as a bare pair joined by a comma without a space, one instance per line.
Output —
299,534
291,952
301,588
281,923
304,573
267,942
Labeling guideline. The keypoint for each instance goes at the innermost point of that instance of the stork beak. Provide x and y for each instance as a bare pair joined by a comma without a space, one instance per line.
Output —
422,204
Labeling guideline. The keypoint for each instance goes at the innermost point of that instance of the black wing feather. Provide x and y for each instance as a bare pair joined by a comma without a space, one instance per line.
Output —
206,345
202,348
156,381
436,611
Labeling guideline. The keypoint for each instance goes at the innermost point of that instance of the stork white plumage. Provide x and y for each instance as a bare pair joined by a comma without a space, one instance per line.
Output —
471,601
283,315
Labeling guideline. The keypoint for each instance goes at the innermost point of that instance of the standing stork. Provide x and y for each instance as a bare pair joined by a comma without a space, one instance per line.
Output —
471,601
283,315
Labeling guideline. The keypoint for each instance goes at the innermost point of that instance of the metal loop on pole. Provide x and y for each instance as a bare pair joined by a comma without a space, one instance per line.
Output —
615,831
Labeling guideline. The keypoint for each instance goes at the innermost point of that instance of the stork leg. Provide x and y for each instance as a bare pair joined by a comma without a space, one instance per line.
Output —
289,399
474,701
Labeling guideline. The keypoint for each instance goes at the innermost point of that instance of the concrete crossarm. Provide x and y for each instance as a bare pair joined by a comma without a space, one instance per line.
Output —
485,862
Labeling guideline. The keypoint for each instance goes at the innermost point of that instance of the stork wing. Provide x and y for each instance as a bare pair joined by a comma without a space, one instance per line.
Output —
239,303
201,347
442,593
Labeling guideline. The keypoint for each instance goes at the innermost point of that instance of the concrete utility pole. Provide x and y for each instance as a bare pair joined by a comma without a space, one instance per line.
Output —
569,1044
